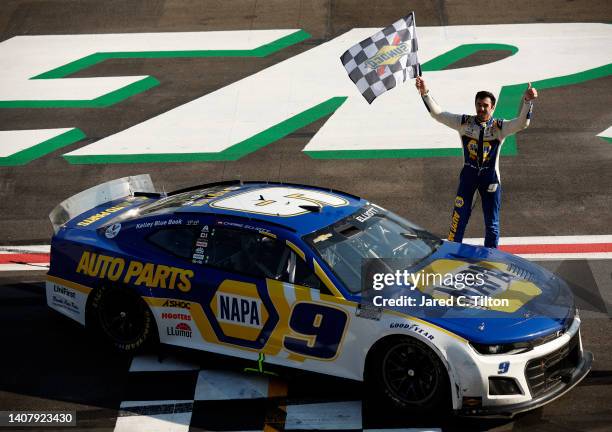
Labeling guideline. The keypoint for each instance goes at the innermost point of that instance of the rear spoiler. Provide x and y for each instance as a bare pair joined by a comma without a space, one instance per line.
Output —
98,195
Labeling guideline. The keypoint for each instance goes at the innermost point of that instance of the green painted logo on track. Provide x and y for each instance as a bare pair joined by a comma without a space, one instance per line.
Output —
116,96
507,107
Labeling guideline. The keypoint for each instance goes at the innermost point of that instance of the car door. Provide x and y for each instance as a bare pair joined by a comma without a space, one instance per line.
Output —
237,310
260,296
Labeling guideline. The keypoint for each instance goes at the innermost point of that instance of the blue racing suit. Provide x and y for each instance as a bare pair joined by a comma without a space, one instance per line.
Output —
481,143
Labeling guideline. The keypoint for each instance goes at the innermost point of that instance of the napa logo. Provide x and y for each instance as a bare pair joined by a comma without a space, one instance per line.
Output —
240,310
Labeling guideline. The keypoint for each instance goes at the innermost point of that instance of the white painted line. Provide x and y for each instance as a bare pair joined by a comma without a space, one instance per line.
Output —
224,385
567,256
578,239
29,56
151,363
26,249
178,419
324,416
22,267
606,134
14,141
178,422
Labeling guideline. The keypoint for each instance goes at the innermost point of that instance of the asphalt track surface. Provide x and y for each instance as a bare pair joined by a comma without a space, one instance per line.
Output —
558,184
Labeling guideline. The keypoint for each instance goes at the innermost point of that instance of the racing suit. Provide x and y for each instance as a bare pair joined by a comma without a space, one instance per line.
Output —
481,143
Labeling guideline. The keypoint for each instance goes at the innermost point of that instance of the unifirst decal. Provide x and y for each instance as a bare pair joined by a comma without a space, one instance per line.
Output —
134,272
93,218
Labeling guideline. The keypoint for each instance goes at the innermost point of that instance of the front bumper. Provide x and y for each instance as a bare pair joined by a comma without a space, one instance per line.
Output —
583,368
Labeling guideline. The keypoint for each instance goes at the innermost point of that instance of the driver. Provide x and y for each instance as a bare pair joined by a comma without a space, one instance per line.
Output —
481,139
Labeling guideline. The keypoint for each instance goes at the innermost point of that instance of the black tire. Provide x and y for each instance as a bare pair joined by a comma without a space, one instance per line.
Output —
409,374
122,318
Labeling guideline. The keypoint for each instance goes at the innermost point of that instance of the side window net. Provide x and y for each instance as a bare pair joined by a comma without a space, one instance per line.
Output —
305,277
248,252
257,255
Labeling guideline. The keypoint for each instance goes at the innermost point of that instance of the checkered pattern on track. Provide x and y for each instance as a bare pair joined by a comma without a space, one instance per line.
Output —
379,62
177,396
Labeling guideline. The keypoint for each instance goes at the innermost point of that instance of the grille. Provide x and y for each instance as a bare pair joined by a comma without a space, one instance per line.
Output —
546,372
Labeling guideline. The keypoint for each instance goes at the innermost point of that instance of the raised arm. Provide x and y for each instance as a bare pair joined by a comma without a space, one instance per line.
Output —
515,125
451,120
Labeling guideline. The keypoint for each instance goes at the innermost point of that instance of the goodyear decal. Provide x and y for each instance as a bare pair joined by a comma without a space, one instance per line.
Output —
109,211
423,323
134,272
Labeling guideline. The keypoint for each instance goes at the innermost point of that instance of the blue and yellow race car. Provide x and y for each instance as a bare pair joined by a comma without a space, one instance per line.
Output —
251,268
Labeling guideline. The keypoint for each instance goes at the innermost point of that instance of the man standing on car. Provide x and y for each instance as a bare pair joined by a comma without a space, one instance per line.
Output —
481,138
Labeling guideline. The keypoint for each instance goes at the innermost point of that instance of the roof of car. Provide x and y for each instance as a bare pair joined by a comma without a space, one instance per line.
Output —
301,208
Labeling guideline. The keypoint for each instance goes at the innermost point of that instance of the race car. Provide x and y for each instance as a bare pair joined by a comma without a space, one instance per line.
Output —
283,272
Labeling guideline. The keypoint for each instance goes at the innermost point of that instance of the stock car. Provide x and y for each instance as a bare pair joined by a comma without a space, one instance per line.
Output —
251,268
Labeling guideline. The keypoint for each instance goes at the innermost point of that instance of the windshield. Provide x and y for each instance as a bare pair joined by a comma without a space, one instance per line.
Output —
371,232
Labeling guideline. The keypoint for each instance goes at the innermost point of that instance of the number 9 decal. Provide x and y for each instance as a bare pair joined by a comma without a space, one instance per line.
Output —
320,328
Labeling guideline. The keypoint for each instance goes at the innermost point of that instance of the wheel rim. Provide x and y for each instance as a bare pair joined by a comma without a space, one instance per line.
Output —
122,317
410,373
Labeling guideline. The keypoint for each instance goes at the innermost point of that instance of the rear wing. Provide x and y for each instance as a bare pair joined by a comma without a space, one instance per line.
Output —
98,195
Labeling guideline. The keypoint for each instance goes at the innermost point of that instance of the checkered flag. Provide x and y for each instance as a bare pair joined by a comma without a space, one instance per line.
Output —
377,63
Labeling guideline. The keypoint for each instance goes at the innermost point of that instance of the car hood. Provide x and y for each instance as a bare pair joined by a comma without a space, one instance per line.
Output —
537,302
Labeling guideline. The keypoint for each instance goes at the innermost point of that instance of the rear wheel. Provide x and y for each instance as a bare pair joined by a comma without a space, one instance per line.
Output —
410,374
122,318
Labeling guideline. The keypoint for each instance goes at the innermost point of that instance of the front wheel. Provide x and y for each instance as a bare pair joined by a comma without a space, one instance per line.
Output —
410,374
122,318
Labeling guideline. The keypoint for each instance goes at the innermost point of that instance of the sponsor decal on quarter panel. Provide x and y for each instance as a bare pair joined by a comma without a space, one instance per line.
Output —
134,272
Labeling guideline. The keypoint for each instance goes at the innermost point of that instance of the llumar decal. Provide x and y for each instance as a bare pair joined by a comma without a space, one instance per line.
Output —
134,272
109,211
